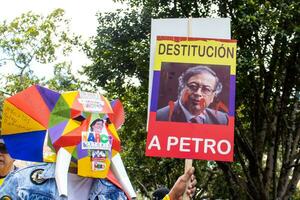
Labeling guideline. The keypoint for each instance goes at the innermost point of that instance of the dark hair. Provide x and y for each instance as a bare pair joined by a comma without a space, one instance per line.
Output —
94,122
160,193
199,69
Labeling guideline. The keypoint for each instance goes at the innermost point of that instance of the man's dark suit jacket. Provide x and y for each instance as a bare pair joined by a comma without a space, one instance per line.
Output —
211,116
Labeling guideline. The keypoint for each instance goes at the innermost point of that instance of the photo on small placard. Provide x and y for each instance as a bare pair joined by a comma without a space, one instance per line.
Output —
97,136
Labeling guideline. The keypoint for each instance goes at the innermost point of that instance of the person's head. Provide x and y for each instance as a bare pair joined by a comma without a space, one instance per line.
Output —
97,125
6,162
198,86
160,193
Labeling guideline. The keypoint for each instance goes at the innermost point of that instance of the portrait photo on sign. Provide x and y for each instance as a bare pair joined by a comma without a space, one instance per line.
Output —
193,93
93,139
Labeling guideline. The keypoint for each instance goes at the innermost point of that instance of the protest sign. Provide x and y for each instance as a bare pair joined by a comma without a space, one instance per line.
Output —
185,27
192,77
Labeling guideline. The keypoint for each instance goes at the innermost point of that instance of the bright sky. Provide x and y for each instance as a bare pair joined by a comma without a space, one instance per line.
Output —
81,13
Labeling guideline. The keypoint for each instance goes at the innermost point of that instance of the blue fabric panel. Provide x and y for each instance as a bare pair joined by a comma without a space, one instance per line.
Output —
26,146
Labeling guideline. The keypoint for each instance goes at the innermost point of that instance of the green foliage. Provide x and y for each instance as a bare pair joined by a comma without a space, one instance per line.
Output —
63,79
16,83
120,50
296,195
32,37
35,39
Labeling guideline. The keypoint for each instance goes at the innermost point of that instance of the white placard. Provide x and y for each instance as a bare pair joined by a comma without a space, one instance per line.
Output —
185,27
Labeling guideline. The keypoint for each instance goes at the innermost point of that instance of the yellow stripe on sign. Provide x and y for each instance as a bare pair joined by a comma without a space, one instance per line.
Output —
210,52
15,121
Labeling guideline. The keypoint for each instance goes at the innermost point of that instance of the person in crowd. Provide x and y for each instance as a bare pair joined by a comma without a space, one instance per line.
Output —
38,182
6,162
185,183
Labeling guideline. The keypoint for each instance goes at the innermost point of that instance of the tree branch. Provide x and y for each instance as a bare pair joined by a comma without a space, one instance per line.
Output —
292,184
233,179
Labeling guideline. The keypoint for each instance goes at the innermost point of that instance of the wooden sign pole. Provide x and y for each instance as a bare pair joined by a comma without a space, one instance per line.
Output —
187,166
188,162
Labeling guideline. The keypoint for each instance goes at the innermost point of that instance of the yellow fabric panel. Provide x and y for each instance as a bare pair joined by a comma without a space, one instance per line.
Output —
72,124
112,129
16,121
85,168
70,97
114,152
70,149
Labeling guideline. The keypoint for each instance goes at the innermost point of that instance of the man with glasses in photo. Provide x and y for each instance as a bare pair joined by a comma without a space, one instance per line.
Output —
6,162
198,86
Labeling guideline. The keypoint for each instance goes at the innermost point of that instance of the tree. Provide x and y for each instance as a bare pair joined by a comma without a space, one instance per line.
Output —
267,132
33,39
